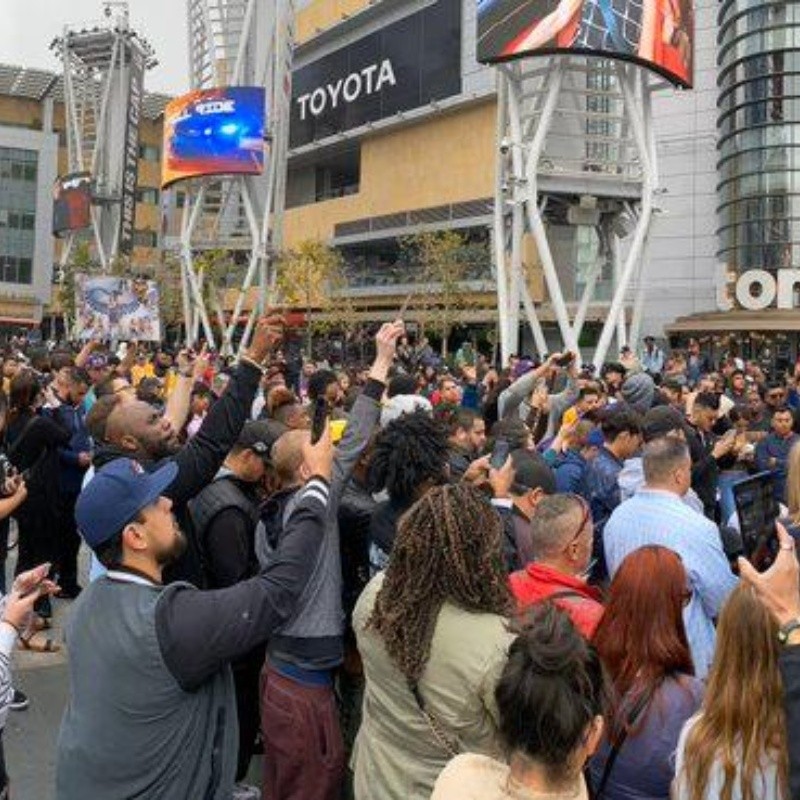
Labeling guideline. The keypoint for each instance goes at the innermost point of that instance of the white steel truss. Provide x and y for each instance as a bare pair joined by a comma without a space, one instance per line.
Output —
98,62
238,43
575,146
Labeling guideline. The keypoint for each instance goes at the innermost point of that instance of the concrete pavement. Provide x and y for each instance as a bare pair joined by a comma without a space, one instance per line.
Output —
30,736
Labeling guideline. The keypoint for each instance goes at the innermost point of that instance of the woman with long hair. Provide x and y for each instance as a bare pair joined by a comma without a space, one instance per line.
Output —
735,748
792,520
32,447
551,699
642,642
432,633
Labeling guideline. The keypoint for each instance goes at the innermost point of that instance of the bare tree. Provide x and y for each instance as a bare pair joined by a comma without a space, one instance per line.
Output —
80,262
311,276
444,269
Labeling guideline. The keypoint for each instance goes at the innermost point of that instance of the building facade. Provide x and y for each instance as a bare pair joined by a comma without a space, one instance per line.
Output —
380,152
32,154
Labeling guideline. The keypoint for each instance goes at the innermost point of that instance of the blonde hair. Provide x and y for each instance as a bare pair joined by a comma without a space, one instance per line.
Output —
793,484
742,716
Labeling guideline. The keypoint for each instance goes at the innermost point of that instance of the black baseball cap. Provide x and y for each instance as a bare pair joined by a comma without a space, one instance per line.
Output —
260,435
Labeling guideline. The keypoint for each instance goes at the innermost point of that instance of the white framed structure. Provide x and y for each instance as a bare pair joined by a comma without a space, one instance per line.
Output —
575,144
103,92
238,43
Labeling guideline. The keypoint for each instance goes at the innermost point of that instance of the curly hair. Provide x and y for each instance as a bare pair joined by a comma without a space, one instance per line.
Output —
448,549
409,452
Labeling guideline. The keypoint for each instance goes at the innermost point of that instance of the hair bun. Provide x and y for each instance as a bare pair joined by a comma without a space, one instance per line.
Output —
549,644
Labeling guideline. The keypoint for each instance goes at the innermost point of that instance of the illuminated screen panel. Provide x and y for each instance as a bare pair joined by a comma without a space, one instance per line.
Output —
658,34
214,132
72,200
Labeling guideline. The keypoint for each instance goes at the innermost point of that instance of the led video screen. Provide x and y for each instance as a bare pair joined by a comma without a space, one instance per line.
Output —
72,200
658,34
214,132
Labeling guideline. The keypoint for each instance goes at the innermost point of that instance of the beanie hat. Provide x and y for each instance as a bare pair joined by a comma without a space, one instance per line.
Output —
404,404
638,392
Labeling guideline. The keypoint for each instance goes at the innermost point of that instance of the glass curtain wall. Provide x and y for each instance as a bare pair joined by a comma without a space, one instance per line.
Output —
758,191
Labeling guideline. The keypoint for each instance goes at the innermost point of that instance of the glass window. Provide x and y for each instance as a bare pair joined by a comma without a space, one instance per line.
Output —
145,239
149,152
147,195
24,270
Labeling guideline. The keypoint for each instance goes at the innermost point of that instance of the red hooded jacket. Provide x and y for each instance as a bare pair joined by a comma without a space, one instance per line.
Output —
538,582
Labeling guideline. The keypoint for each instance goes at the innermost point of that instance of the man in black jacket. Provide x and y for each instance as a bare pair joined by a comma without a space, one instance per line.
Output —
151,711
705,449
137,430
779,590
224,516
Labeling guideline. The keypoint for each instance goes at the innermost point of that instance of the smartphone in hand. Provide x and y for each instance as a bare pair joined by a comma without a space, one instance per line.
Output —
500,453
319,418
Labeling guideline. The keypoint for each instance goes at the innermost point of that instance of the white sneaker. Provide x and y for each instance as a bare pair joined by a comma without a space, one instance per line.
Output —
243,791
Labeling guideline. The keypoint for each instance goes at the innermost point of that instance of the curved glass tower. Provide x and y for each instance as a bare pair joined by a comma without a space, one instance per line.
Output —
758,167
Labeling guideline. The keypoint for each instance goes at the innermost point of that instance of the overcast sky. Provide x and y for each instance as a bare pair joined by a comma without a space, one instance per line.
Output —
28,26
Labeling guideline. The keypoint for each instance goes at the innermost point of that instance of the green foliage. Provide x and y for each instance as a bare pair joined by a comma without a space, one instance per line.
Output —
79,262
218,270
444,260
311,277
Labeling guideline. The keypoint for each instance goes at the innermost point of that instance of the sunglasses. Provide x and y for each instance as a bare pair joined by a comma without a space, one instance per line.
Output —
585,515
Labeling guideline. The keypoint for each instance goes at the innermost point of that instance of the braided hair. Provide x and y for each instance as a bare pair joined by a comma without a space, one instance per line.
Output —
448,549
409,452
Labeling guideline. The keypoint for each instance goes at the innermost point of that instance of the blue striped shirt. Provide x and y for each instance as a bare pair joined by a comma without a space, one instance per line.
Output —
662,518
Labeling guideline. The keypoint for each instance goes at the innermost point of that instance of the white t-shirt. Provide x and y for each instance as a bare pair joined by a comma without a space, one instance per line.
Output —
765,782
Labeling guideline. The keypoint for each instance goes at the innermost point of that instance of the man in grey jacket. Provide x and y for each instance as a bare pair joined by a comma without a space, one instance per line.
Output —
304,751
518,397
151,710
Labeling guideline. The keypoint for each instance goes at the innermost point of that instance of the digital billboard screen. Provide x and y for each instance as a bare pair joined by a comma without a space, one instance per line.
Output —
658,34
214,132
72,200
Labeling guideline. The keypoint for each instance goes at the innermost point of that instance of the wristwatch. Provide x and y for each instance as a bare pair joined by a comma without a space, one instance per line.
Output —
785,631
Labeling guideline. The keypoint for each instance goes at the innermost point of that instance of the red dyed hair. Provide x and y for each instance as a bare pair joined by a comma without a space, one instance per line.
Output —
641,638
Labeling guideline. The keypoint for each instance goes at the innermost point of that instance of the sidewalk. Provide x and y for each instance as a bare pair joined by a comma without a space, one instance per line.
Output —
30,736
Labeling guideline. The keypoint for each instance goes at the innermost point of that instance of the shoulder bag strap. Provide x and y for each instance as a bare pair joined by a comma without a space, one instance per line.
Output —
451,747
565,594
633,717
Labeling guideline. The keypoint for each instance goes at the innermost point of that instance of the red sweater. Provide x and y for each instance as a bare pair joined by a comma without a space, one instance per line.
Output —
537,582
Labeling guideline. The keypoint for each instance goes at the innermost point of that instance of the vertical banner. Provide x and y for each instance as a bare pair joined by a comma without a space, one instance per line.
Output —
130,167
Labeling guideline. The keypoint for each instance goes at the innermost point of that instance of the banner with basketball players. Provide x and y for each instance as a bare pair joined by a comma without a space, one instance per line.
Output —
117,309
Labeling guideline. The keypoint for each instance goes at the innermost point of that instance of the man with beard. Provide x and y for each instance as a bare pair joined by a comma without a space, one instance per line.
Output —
134,429
152,712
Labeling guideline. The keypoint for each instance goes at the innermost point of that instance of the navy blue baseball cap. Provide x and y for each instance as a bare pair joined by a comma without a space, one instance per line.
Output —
116,494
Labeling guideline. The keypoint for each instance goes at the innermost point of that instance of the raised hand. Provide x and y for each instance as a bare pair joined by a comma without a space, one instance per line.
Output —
267,336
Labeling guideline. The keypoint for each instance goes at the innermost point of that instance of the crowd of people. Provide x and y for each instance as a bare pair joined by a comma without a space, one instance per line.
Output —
408,579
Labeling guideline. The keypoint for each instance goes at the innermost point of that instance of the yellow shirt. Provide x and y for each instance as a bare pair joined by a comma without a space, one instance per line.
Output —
140,371
570,416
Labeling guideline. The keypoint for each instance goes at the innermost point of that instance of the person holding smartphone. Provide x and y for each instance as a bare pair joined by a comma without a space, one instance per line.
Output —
16,617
